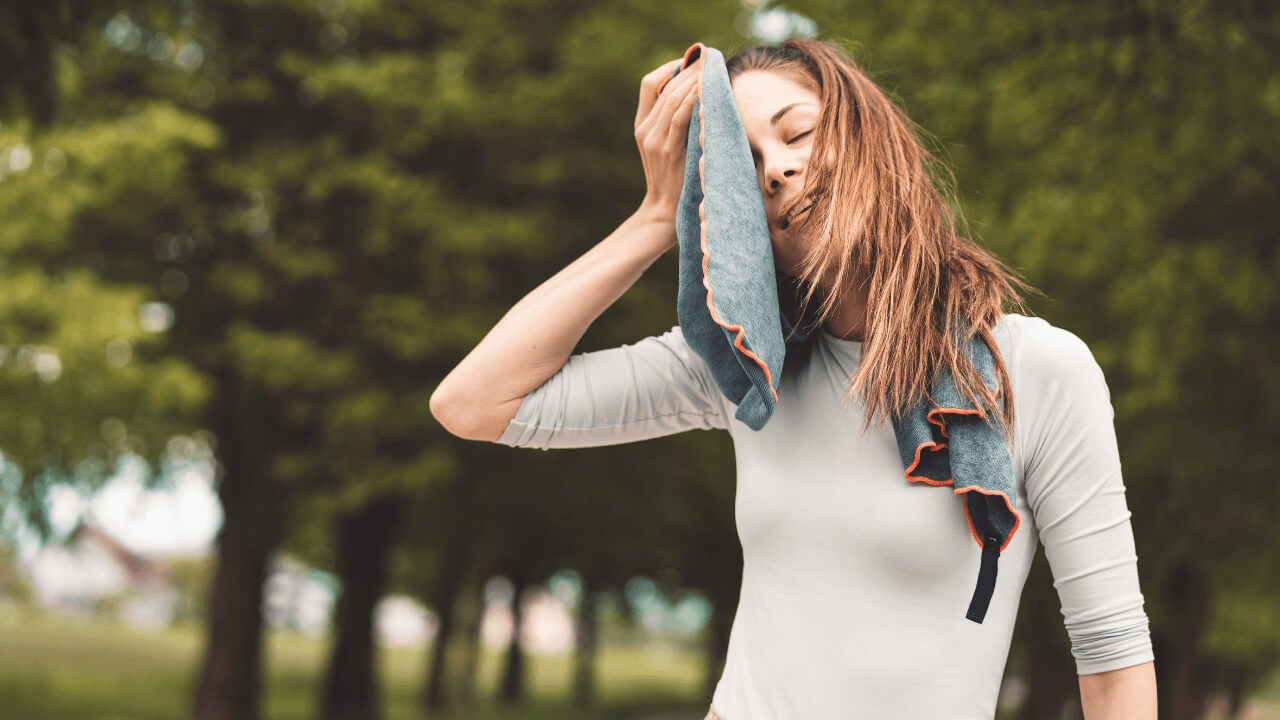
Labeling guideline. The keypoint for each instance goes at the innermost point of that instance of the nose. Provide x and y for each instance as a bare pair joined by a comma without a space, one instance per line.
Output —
776,176
774,182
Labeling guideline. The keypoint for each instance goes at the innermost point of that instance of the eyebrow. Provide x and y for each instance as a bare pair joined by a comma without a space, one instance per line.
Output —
778,115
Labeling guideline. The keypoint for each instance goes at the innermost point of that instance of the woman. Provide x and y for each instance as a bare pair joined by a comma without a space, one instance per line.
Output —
842,614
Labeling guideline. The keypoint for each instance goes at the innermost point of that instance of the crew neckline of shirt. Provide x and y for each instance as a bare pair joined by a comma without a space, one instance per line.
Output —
853,346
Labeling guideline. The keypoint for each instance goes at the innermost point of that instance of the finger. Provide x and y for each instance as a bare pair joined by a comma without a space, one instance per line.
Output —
649,87
692,68
690,75
684,116
663,114
671,95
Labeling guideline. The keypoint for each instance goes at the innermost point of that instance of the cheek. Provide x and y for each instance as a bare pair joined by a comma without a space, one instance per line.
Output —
786,252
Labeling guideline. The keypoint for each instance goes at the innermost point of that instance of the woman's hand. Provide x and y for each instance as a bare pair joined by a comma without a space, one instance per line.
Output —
662,130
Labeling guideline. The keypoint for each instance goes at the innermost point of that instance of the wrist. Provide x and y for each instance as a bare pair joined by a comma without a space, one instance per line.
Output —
656,212
654,226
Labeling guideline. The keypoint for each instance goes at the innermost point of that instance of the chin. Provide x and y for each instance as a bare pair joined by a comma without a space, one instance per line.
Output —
786,266
783,252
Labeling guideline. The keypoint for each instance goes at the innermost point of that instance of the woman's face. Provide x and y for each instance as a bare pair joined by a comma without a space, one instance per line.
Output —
780,116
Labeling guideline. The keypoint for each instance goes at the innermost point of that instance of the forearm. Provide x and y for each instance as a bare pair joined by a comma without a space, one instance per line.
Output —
538,334
1124,694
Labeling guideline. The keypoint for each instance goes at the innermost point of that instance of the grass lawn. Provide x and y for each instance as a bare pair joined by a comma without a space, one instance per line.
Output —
53,668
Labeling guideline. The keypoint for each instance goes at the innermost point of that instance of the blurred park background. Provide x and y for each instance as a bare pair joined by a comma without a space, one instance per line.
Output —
242,240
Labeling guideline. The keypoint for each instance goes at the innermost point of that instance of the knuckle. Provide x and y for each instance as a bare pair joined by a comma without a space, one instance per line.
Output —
656,74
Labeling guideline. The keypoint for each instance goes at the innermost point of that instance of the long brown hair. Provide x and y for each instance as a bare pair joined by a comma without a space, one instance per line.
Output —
886,228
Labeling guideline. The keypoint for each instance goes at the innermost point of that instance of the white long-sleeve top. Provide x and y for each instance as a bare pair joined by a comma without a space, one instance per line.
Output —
862,614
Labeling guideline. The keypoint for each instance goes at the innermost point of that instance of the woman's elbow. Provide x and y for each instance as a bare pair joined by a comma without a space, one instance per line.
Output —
460,417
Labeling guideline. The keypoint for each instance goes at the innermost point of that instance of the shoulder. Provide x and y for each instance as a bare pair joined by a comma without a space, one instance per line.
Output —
1056,384
683,355
701,380
673,340
1040,355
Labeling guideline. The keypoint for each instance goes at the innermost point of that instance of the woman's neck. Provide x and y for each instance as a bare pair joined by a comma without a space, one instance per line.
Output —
849,317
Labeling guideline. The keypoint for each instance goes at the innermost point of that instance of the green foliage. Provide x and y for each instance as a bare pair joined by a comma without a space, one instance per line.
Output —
52,669
337,200
85,374
1245,628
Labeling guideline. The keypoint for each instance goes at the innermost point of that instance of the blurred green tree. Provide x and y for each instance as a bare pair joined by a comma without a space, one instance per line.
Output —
36,36
365,203
86,377
281,221
488,166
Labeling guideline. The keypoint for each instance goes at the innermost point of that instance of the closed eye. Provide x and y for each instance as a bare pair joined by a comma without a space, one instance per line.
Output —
799,136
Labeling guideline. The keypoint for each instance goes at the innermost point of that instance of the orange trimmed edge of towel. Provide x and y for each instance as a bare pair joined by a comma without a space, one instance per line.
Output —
932,446
683,64
738,330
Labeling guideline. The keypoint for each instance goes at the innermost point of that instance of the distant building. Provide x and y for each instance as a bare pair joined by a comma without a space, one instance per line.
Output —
91,573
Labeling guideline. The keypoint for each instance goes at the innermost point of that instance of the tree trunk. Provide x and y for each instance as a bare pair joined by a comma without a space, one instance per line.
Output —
1051,681
471,615
1048,688
1180,671
364,537
585,642
511,687
443,602
37,28
253,506
1236,684
717,642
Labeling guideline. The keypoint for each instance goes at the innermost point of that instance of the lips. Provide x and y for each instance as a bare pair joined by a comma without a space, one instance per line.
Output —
784,223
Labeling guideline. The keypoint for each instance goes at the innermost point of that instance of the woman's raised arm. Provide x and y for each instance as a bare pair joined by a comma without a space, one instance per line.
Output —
534,339
480,396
